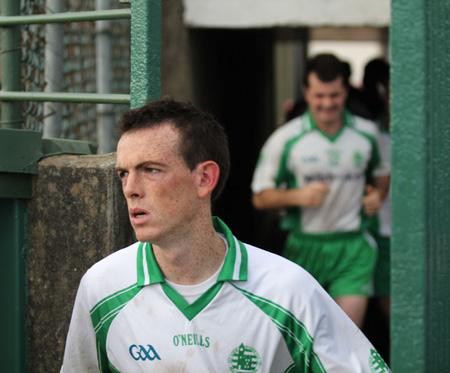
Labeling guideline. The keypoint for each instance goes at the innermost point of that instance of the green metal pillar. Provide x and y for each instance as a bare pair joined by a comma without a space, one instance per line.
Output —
19,152
15,186
145,51
420,123
13,284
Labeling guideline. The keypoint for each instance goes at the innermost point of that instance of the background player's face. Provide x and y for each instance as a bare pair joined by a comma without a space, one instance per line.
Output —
326,100
159,187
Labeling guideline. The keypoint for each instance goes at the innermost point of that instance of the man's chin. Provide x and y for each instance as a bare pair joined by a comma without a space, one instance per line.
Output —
330,119
144,236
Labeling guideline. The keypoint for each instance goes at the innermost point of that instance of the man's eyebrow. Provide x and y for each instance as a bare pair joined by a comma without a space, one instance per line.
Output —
141,165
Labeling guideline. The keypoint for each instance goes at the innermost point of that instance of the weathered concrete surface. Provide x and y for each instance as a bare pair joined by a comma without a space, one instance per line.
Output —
77,216
176,68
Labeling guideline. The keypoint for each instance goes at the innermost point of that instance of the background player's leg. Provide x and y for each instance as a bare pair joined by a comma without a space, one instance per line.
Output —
354,306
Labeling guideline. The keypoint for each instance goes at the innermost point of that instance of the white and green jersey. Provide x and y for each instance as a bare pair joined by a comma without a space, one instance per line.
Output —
263,314
298,153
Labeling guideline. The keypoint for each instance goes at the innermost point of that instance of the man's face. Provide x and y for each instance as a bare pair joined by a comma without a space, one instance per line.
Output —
159,187
326,100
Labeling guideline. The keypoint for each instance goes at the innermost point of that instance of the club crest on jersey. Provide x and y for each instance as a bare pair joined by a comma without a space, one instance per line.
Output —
143,353
334,157
377,364
244,359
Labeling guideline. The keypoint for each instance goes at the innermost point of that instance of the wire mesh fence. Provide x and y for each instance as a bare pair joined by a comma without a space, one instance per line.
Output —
79,120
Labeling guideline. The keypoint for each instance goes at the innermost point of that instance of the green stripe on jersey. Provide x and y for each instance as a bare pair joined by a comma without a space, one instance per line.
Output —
235,265
148,271
292,220
102,315
191,310
113,368
295,334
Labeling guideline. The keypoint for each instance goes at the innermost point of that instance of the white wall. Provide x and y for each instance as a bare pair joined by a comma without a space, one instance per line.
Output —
298,13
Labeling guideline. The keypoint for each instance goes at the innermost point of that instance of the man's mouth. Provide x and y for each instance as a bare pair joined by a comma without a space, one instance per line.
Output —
137,213
139,217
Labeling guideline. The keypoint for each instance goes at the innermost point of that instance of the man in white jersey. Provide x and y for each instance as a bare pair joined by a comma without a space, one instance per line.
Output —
316,167
189,296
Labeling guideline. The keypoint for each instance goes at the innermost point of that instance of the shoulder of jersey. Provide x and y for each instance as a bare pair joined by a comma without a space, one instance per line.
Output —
289,129
365,125
277,271
116,265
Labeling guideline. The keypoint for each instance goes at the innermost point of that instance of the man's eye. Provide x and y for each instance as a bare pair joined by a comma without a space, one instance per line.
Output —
152,170
122,174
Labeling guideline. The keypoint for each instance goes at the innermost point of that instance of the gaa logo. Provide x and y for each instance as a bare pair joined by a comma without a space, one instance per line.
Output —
244,359
143,353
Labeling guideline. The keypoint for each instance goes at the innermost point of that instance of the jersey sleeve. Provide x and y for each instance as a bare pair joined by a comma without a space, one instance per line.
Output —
319,336
381,165
384,145
267,167
80,353
339,344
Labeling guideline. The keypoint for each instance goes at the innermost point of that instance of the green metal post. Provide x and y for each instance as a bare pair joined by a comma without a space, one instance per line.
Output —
13,214
11,64
420,102
145,51
13,284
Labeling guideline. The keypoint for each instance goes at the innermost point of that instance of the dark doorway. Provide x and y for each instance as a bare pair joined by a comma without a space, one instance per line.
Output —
233,75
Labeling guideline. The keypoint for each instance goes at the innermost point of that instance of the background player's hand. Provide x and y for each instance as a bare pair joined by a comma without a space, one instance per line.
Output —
313,194
371,201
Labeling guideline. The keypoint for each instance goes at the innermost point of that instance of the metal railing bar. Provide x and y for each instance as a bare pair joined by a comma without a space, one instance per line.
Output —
98,15
94,98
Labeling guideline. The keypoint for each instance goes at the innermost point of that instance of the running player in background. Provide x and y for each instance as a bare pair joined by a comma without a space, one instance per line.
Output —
189,296
316,168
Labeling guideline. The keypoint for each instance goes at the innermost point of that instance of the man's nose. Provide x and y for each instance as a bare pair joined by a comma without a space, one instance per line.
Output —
132,187
327,102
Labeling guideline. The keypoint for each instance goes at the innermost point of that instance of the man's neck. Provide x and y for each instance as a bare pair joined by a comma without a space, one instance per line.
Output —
193,260
331,128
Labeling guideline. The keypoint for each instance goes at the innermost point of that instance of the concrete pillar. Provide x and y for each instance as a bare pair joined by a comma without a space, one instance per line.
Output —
77,216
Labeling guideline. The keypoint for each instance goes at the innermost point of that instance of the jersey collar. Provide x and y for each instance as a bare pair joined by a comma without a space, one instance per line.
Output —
234,267
308,122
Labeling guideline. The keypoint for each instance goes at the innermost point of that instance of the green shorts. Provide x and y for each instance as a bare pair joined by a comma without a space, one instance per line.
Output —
343,263
382,275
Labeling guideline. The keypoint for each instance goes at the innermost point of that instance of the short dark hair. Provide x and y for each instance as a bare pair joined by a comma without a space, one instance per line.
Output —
376,72
327,67
202,138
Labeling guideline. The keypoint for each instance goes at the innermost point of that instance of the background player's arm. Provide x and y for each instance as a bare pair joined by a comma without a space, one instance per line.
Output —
312,195
375,195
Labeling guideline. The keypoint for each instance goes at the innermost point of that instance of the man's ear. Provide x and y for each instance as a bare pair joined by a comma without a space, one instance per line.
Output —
209,172
305,91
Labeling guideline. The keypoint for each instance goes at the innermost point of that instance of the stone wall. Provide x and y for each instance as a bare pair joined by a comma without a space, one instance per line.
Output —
77,216
176,65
